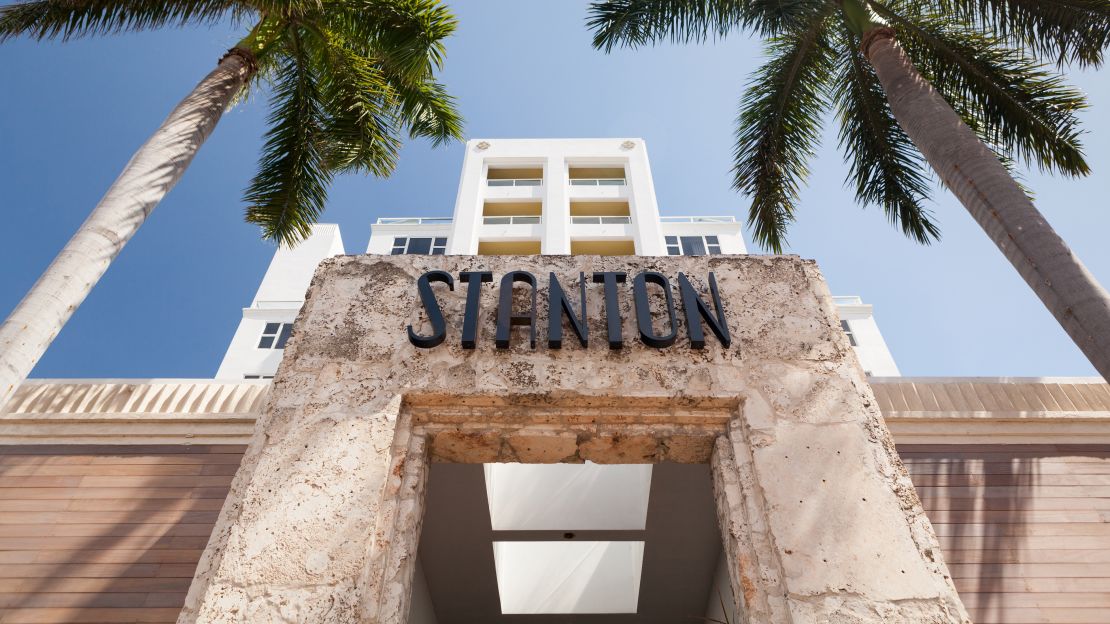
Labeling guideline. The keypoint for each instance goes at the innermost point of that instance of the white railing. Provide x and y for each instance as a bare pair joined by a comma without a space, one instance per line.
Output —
513,220
847,300
278,305
516,182
729,219
415,220
597,182
600,220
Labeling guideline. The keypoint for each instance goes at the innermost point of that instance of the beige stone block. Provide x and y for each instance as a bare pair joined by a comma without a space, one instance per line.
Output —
543,447
466,447
689,449
636,449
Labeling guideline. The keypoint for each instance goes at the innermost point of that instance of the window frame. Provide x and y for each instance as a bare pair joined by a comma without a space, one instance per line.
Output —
277,337
402,245
676,246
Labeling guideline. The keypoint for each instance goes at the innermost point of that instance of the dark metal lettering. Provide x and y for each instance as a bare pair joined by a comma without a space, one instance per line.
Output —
558,305
612,309
506,318
431,307
474,281
643,310
696,311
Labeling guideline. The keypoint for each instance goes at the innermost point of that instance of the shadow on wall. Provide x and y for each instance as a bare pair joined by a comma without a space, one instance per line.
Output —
1025,529
106,533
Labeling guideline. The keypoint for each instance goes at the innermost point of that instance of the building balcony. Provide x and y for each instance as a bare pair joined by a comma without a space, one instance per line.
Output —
515,192
511,227
596,192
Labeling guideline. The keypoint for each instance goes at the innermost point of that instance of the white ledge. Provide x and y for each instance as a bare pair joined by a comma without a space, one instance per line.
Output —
918,410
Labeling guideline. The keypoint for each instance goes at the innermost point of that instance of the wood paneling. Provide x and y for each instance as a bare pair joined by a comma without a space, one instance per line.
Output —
114,533
1025,529
105,533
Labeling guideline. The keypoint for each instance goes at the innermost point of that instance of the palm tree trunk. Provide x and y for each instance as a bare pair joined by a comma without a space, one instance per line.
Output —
146,179
977,178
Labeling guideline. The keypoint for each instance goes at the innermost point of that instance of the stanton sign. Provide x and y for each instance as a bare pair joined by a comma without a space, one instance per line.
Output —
560,305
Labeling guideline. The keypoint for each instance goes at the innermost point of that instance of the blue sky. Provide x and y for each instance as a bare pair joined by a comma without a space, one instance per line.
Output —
72,113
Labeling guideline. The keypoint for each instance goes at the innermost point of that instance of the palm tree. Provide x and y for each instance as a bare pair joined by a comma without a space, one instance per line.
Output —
347,79
976,98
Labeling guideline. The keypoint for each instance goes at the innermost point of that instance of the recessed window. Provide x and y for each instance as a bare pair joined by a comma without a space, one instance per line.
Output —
419,246
848,330
275,335
258,376
568,577
589,496
692,245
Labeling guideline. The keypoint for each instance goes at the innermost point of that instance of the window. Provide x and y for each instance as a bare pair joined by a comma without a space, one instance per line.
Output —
274,335
258,376
848,330
693,245
419,246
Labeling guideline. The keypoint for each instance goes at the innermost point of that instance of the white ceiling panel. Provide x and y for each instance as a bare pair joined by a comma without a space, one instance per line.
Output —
555,497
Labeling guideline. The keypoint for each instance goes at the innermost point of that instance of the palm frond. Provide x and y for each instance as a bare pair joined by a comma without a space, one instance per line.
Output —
361,132
884,165
780,125
430,113
289,192
65,19
1076,31
1024,109
635,23
405,35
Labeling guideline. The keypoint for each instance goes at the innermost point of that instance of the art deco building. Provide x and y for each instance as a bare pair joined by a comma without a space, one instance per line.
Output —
743,481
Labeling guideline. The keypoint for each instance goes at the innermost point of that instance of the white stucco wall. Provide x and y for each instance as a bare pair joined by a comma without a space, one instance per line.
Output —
278,299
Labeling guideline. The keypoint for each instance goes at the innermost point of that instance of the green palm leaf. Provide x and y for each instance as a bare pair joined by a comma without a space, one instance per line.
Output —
885,166
49,19
641,22
1022,108
290,190
1070,30
780,125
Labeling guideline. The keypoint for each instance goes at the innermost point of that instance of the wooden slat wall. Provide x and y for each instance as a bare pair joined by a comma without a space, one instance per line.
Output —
105,533
114,533
1025,529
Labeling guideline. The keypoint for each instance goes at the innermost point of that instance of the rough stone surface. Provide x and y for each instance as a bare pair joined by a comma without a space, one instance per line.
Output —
817,514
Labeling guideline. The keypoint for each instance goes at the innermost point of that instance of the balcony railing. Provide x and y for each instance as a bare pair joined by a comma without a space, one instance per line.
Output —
516,182
597,182
729,219
514,220
849,300
601,220
415,220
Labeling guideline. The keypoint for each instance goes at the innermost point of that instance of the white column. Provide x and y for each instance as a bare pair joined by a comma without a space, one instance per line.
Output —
463,239
642,203
556,206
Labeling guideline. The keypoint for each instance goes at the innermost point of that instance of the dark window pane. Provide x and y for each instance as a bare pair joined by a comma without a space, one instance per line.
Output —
399,242
397,251
438,251
266,342
286,329
672,240
714,249
271,328
848,330
693,246
420,246
712,240
440,242
674,251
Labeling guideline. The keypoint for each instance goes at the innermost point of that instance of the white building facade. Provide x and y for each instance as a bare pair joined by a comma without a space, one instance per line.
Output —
523,197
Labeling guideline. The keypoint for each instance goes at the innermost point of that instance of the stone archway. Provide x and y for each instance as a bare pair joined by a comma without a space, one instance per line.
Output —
818,517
